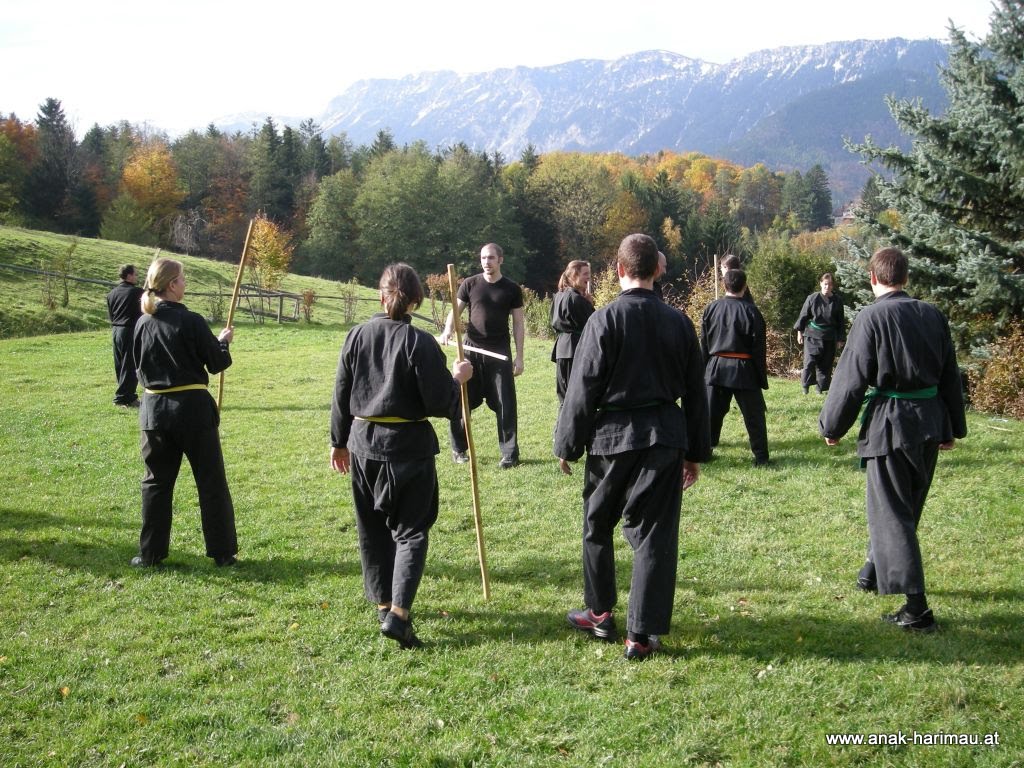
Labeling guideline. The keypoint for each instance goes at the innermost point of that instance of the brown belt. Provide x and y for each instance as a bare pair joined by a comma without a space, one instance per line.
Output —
734,355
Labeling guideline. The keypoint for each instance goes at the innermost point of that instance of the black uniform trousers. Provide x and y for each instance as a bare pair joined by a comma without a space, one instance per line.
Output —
396,503
819,355
493,381
643,488
752,406
124,365
897,486
563,368
162,450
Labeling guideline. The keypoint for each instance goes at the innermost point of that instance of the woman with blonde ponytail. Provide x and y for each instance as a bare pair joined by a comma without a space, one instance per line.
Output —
391,378
175,351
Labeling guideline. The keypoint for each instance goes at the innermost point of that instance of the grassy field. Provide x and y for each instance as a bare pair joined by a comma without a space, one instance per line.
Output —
278,660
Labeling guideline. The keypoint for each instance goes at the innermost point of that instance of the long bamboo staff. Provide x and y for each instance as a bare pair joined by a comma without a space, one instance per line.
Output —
477,520
234,303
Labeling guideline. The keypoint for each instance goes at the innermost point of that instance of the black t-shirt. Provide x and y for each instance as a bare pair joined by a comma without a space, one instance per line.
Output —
490,305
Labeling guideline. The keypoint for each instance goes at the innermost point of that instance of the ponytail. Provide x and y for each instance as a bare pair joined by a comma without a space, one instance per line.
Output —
400,290
162,272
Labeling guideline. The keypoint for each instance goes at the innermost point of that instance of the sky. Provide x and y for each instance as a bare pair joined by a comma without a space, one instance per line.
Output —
180,64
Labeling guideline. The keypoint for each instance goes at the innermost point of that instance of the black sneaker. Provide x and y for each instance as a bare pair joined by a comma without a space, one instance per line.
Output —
508,463
400,630
460,457
601,626
639,651
905,620
382,613
143,562
225,561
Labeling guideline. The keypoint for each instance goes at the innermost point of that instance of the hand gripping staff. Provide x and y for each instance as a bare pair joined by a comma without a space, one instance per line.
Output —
478,521
234,303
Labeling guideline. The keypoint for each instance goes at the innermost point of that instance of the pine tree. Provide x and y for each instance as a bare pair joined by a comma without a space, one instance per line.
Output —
958,193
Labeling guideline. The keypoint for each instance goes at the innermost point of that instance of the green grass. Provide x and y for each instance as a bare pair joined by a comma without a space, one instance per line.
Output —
278,661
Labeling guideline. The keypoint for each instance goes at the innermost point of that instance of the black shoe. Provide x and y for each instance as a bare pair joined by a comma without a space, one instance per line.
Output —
382,613
905,620
601,626
459,457
143,562
400,630
762,462
866,579
225,561
639,651
805,390
865,584
507,463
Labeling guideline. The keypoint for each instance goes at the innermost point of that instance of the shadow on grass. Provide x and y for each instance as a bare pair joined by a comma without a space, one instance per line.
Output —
989,638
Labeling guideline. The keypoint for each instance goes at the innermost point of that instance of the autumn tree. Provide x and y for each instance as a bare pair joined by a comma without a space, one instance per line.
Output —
269,255
151,179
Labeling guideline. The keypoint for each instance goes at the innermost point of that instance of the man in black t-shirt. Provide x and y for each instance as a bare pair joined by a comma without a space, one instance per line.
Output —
124,308
491,299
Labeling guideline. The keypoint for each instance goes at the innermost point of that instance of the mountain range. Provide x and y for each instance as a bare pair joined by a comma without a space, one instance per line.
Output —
788,108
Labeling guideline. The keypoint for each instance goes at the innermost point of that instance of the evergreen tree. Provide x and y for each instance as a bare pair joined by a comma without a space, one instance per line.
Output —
958,191
51,174
820,198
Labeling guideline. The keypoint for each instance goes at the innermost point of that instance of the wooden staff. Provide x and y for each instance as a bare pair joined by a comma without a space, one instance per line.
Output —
478,521
234,303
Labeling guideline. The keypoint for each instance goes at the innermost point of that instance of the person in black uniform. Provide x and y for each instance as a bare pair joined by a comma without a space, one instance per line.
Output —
174,352
636,404
733,340
901,355
731,261
571,307
492,299
391,377
124,308
820,327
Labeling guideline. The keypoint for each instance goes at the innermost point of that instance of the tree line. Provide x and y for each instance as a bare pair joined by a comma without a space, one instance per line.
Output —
349,210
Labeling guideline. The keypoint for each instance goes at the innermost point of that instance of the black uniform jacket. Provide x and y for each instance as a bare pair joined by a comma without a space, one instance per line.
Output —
388,368
826,312
124,305
734,325
569,313
636,382
899,344
174,347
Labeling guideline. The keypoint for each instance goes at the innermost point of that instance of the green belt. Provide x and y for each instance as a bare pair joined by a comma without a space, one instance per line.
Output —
387,419
615,408
926,393
817,327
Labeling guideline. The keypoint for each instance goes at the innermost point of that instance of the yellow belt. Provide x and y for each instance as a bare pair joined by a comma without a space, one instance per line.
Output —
182,388
387,419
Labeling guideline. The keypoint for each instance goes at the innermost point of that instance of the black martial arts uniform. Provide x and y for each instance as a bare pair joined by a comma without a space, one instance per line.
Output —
175,348
570,311
391,377
124,308
636,403
822,322
490,306
900,347
733,341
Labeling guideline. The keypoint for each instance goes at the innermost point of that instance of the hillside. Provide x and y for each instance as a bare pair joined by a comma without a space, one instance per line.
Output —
22,310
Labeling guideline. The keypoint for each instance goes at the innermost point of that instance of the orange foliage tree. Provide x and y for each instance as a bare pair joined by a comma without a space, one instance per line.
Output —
151,178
